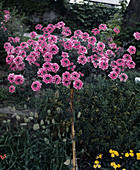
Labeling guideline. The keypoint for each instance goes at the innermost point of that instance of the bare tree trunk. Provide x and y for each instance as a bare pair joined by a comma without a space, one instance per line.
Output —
132,14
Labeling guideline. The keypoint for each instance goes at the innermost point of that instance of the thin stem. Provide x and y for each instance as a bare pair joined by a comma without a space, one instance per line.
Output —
72,130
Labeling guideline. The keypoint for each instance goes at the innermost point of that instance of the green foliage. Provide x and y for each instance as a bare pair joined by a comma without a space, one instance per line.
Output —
27,147
76,16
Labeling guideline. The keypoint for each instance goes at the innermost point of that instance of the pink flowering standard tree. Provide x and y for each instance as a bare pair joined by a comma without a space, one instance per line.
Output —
65,59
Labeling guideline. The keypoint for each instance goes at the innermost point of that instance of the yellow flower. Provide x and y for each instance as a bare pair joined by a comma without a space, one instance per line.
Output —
127,154
131,150
115,166
121,157
119,165
131,154
116,153
112,163
94,166
112,155
138,156
96,162
100,156
110,151
98,166
97,157
123,169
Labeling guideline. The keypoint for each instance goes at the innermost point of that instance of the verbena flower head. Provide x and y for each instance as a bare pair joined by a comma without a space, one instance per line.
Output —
137,35
116,30
65,59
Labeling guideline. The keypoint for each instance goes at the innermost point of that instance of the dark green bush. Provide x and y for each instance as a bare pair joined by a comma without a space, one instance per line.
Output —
109,109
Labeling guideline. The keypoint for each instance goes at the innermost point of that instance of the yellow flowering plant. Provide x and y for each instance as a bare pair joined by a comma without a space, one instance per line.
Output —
116,160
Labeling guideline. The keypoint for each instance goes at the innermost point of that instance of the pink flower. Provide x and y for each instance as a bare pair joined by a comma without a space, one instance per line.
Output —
66,76
17,39
6,12
22,53
64,54
94,64
56,79
41,72
19,79
31,59
46,34
54,67
76,44
100,46
78,84
92,40
59,25
9,59
53,49
52,39
102,27
82,50
10,39
78,33
13,66
12,89
42,38
131,50
95,31
82,59
66,31
65,62
120,62
36,85
114,64
68,45
11,78
7,45
50,28
103,65
75,75
113,75
127,57
47,66
116,30
137,35
117,70
130,64
47,56
123,77
24,45
38,27
66,82
112,46
21,66
85,36
18,60
33,34
47,78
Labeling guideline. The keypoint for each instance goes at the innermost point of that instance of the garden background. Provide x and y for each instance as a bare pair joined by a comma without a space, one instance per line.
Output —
107,112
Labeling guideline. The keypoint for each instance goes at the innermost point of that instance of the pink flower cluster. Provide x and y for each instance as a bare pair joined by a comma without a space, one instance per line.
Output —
60,66
6,17
17,79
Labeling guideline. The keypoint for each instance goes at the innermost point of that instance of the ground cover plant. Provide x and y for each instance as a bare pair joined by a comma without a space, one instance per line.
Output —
54,60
